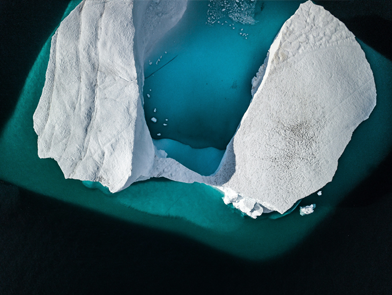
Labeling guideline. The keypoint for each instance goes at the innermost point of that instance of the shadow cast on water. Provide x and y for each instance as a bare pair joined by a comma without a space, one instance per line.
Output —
373,189
24,28
52,247
378,37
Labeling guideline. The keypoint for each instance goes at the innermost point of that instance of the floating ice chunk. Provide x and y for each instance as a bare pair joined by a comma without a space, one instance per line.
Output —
148,95
230,195
166,119
164,124
158,134
319,193
307,209
155,110
154,119
248,206
245,205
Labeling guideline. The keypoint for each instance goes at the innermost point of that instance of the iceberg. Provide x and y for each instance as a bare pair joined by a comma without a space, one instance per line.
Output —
314,88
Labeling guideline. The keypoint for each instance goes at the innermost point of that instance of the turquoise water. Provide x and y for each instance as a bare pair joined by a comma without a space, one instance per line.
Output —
204,161
196,210
206,89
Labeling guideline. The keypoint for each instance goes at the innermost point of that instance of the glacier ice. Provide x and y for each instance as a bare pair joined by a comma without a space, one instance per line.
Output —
314,88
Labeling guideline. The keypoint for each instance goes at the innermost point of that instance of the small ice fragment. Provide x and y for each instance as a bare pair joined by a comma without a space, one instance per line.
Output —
165,52
161,56
154,119
319,193
223,9
256,211
242,29
150,63
307,210
150,89
230,196
245,205
155,110
159,134
164,124
166,119
233,28
148,95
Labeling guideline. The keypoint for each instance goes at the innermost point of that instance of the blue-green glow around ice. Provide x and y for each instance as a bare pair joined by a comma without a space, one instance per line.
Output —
196,210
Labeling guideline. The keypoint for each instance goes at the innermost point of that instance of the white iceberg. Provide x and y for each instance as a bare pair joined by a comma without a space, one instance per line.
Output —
313,90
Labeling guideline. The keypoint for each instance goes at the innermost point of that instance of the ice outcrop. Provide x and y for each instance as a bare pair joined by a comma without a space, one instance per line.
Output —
313,90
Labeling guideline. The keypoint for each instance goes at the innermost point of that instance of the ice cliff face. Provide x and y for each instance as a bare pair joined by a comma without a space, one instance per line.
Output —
313,90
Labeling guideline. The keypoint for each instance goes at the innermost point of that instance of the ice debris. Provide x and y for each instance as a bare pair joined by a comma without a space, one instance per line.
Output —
306,210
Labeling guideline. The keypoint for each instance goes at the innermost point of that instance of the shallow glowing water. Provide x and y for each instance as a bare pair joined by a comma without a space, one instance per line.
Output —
196,210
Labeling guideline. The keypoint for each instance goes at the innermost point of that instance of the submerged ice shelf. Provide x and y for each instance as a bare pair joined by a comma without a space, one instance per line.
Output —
313,90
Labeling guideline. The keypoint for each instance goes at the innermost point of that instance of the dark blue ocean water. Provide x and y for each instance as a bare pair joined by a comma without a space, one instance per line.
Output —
171,211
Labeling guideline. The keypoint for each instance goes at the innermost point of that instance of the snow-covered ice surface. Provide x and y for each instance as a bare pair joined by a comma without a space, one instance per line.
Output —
313,90
317,88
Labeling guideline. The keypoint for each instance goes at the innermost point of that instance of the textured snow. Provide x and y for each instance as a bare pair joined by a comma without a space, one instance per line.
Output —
313,90
317,87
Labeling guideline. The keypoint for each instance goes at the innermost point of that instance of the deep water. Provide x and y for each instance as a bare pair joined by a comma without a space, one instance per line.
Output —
203,93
